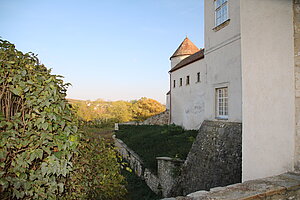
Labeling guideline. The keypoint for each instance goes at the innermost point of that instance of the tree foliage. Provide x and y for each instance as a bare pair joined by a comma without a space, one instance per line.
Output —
145,108
117,111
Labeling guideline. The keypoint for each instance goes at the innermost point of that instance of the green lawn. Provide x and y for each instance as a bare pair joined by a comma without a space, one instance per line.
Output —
151,141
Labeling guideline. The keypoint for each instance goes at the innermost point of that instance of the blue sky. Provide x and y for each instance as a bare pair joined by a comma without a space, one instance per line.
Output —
112,49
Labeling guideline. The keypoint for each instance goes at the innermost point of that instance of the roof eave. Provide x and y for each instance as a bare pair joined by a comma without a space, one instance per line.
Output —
180,65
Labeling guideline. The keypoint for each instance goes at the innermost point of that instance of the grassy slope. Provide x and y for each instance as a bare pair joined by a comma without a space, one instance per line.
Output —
150,141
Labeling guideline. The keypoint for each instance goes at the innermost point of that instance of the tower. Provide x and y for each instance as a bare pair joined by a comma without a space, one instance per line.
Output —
185,49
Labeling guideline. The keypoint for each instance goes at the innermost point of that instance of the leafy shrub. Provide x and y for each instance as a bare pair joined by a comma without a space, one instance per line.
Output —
96,171
42,155
38,136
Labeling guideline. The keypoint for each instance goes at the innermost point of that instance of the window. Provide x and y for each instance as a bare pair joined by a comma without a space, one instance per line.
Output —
174,83
222,103
198,77
187,80
180,82
221,11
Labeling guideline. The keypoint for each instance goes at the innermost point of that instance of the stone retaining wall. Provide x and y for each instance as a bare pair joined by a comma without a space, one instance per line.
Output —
160,119
283,187
167,172
215,158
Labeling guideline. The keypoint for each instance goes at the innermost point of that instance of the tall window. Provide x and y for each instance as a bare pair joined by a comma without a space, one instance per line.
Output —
221,11
187,80
180,82
174,83
198,77
222,103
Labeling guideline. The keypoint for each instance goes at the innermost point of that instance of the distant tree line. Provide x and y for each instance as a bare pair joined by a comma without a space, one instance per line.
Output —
117,111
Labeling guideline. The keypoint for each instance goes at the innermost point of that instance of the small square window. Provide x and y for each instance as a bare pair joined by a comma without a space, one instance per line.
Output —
198,77
187,80
180,82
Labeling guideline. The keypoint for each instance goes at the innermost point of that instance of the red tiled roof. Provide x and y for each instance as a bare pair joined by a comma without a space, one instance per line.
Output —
192,58
185,48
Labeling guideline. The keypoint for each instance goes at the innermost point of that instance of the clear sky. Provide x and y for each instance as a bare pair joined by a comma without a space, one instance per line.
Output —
108,49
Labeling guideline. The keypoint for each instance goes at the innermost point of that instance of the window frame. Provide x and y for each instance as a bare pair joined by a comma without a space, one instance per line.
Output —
222,99
219,9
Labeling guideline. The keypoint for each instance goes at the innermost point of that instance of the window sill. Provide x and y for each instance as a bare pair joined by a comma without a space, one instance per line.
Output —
222,118
219,27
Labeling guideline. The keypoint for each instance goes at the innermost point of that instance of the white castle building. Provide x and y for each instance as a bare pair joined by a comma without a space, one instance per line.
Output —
247,72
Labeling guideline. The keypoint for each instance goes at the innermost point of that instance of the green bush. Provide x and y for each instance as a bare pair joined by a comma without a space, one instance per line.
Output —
96,171
42,155
38,136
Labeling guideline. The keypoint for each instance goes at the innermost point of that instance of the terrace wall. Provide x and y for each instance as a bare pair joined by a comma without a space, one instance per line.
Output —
160,183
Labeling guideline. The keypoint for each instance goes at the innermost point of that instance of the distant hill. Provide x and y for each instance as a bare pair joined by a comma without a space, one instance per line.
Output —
117,111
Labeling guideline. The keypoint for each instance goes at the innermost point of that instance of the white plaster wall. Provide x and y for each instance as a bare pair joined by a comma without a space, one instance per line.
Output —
168,101
187,101
221,66
224,70
215,39
268,87
223,60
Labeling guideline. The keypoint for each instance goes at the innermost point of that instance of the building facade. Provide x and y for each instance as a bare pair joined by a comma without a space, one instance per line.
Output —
246,73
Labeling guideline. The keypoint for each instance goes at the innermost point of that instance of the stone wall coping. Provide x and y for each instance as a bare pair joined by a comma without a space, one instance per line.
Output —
254,189
170,159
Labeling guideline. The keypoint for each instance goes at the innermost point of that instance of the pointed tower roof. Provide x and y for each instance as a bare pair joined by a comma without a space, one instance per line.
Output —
185,48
